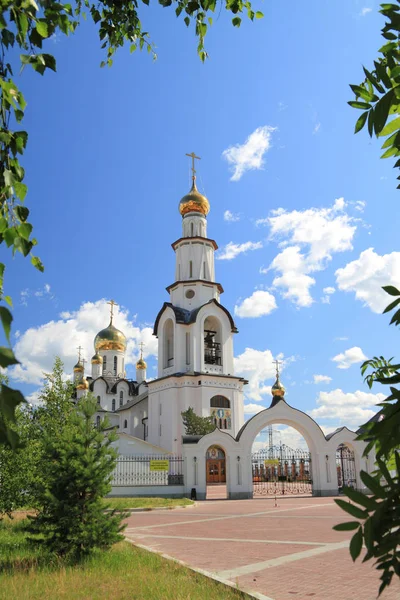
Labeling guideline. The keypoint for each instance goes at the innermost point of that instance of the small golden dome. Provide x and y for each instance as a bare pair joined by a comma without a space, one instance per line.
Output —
194,202
141,364
97,359
83,385
78,368
278,389
110,338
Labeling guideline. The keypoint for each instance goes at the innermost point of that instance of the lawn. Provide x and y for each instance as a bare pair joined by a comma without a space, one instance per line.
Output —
122,573
149,503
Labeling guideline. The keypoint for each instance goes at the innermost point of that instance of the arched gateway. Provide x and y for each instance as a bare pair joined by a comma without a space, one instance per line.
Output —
317,469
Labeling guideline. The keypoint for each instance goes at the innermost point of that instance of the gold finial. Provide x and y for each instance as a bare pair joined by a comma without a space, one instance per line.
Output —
278,390
112,304
193,157
79,348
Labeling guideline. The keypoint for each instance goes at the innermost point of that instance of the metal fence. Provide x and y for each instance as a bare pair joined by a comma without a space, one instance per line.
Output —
148,470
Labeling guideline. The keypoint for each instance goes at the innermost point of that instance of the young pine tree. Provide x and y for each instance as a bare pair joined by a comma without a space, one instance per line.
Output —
80,460
195,425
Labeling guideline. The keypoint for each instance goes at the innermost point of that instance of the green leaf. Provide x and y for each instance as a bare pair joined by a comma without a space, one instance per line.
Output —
42,28
361,122
391,306
6,320
8,300
381,111
7,357
390,289
362,105
25,230
22,213
132,48
391,127
354,511
393,151
359,91
236,21
37,263
348,526
259,15
360,498
187,21
49,61
9,400
356,544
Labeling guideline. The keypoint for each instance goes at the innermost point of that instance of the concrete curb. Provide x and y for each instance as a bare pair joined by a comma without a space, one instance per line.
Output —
208,574
153,508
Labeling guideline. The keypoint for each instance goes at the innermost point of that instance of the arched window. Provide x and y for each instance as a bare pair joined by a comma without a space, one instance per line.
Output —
115,365
113,405
104,364
191,229
190,269
97,421
121,398
98,400
125,424
212,342
168,344
220,402
204,270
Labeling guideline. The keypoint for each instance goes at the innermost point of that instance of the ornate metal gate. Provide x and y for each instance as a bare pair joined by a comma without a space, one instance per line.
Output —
280,470
346,467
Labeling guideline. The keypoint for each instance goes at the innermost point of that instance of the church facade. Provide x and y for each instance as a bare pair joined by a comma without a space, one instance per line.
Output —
195,350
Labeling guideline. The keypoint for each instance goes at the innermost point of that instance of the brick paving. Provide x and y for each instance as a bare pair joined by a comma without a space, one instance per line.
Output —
288,552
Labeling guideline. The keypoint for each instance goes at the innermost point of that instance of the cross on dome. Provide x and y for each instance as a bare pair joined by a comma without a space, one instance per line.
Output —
193,157
112,304
79,348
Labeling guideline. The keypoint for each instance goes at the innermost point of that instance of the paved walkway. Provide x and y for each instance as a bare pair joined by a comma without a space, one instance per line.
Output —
287,552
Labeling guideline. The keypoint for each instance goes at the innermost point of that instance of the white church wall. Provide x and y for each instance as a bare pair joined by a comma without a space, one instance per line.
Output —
203,293
108,357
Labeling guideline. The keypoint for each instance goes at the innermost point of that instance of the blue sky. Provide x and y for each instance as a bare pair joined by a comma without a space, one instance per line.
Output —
106,169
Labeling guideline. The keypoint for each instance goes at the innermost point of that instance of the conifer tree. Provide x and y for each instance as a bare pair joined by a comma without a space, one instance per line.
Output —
72,521
195,425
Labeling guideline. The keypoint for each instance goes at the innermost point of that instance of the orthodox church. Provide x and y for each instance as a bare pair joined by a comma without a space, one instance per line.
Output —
195,350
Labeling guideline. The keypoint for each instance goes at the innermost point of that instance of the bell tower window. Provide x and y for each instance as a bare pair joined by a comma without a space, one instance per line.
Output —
121,398
191,229
190,269
168,344
115,365
104,364
212,342
113,405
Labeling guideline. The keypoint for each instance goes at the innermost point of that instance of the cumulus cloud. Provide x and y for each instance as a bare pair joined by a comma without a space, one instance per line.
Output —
360,205
259,368
258,304
232,250
250,155
349,357
329,290
322,379
37,346
231,217
252,409
366,276
351,409
309,239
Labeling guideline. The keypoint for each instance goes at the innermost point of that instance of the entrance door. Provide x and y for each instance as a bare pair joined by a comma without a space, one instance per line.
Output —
216,470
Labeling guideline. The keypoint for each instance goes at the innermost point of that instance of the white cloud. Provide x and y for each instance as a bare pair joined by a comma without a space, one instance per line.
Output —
309,238
252,409
258,367
364,11
366,276
231,217
322,379
248,156
351,409
316,129
37,346
258,304
341,339
232,250
329,290
44,292
360,205
349,357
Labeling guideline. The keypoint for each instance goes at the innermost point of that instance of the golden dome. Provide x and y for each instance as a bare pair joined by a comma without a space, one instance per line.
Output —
83,385
141,364
78,368
97,359
110,338
278,389
194,202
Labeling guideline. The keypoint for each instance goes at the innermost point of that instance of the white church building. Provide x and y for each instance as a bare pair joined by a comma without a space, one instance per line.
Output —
195,334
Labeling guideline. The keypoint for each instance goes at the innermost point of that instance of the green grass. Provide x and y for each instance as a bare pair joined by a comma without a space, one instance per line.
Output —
122,573
125,503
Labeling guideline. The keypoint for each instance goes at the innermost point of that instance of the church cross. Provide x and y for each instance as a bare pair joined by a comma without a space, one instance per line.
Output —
142,345
277,363
112,304
79,348
193,157
83,363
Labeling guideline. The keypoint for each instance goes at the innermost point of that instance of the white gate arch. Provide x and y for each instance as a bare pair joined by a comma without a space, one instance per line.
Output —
238,452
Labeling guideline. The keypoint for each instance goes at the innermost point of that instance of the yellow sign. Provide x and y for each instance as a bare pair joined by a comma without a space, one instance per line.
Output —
159,465
272,462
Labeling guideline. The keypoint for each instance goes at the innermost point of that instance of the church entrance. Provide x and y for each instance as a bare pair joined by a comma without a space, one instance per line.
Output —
345,467
216,473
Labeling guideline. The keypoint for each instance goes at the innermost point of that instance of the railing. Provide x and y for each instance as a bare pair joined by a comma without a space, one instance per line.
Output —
148,470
